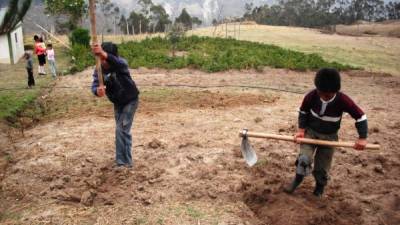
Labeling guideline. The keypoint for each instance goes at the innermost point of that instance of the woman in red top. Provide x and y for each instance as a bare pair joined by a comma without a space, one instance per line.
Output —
40,51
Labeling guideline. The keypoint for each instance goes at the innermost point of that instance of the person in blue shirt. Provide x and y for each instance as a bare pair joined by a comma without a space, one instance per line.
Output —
121,90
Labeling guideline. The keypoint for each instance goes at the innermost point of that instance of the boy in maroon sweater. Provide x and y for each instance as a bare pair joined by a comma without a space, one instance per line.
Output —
319,118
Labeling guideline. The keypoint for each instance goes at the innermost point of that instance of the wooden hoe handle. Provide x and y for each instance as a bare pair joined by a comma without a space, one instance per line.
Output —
92,13
244,133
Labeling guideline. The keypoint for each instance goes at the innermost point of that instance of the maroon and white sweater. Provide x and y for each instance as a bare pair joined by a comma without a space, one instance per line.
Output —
325,116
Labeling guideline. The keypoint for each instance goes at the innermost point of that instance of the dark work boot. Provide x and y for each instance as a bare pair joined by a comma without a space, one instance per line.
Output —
319,190
295,183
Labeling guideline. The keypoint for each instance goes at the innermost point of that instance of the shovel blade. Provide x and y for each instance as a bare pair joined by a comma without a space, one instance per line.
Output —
248,152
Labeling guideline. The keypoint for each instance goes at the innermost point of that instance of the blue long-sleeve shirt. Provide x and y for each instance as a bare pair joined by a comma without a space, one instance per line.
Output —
120,88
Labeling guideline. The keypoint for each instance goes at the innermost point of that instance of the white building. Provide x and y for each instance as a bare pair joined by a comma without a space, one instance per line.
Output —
11,43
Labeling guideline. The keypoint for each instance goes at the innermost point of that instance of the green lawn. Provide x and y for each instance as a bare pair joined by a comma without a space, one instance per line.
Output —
14,94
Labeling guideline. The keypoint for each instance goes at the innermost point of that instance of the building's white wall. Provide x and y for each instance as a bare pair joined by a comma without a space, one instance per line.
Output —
17,40
4,51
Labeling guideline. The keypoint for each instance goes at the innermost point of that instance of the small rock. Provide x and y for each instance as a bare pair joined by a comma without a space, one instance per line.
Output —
154,144
140,188
379,169
87,197
66,178
47,178
108,202
364,163
61,195
257,120
57,185
375,130
236,120
147,201
381,159
212,195
89,160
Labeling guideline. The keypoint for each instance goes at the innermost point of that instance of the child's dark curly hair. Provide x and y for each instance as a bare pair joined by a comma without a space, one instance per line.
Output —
110,48
327,80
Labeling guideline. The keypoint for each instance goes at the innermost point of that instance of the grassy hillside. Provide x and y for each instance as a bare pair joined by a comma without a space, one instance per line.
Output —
378,54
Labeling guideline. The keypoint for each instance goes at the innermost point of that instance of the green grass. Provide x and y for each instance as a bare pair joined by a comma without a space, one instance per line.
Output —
378,54
208,54
15,97
217,54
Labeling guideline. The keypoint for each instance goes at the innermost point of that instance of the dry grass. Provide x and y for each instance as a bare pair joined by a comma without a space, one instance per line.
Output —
377,54
388,29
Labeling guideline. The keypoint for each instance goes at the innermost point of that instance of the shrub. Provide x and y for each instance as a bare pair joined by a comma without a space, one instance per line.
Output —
80,36
81,58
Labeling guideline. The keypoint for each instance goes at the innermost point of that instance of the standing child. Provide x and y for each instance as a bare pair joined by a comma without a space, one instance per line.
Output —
320,116
121,90
29,69
52,60
40,51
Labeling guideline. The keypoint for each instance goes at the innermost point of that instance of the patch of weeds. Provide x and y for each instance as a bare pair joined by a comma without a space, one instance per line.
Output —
218,54
160,221
9,158
261,163
139,221
194,213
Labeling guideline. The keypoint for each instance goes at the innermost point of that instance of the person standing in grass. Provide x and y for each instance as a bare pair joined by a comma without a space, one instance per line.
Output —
40,51
29,69
121,90
52,60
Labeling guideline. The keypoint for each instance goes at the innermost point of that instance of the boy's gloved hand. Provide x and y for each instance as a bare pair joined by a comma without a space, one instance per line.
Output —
101,91
300,134
360,144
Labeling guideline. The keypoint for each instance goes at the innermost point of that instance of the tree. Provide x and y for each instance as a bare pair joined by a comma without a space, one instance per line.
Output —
123,24
139,22
174,35
196,21
74,9
159,18
184,19
14,15
107,9
248,7
311,13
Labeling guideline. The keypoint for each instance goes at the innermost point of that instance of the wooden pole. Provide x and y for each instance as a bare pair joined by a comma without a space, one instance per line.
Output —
53,36
307,140
226,29
94,40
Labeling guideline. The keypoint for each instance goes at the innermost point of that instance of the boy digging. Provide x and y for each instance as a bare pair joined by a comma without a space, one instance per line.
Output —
121,90
319,118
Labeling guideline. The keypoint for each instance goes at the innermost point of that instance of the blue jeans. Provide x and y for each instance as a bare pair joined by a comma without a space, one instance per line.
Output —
123,138
53,68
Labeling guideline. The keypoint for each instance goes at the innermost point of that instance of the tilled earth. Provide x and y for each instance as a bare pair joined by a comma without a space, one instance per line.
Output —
188,167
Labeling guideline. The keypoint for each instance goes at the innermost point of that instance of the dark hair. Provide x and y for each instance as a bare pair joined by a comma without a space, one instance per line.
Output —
49,45
35,37
27,55
41,39
110,48
327,80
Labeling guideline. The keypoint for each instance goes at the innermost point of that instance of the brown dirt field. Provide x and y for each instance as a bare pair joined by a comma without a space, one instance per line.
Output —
188,166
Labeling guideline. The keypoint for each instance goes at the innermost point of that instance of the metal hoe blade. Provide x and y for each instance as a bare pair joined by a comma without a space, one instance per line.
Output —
247,151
